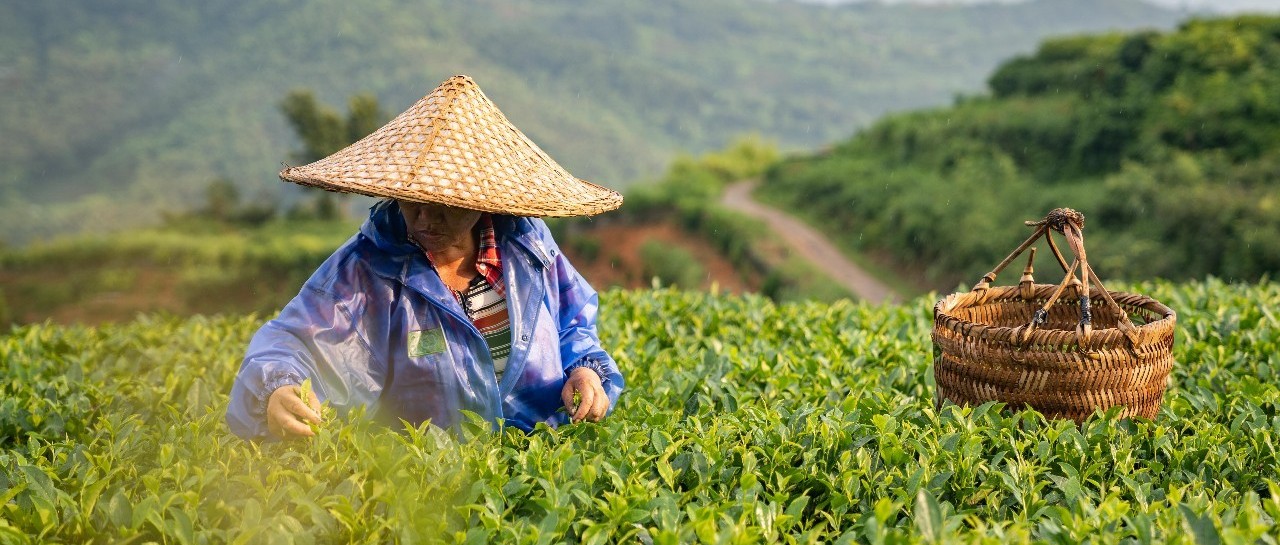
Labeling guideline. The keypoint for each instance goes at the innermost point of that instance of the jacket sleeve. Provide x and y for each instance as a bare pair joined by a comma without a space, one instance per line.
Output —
579,342
315,337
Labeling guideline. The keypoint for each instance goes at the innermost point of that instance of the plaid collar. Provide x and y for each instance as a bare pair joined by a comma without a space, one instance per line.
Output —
488,263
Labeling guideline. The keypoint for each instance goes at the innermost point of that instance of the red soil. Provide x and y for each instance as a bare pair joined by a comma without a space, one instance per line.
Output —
619,264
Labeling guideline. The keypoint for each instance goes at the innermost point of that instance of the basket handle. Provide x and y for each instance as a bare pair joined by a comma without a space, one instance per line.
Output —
1070,224
1054,220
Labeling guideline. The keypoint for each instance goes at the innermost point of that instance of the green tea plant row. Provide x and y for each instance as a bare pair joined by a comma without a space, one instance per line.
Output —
743,422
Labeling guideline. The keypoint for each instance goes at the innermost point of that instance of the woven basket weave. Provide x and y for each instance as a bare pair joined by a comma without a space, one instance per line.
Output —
455,147
1046,346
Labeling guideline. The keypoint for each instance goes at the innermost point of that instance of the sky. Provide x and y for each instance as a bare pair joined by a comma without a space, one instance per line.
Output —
1222,6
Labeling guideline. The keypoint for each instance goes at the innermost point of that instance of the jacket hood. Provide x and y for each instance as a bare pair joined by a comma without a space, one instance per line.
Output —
386,229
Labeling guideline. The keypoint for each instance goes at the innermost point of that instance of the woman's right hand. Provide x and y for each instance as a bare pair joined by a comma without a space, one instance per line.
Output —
287,415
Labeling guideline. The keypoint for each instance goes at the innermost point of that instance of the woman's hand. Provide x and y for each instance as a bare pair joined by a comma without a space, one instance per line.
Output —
288,416
593,402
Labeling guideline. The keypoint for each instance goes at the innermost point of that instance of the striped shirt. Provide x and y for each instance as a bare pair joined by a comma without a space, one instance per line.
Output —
487,309
485,298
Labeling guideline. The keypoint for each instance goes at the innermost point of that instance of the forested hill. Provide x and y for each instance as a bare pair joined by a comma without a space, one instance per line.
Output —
1169,143
114,109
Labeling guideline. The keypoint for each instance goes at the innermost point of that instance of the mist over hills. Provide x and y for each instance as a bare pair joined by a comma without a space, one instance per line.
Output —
115,110
1208,6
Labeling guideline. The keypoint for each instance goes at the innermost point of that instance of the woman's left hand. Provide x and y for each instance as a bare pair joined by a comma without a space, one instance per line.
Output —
593,402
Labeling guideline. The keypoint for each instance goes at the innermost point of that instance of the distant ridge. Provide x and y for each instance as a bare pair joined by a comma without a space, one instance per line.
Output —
1202,6
114,110
1168,142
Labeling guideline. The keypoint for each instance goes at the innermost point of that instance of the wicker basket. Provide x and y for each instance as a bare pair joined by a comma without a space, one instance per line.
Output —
1045,346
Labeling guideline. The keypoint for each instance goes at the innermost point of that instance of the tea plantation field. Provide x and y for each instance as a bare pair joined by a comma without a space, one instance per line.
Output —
743,422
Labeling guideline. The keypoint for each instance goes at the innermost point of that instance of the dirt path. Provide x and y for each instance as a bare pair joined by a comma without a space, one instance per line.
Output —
809,244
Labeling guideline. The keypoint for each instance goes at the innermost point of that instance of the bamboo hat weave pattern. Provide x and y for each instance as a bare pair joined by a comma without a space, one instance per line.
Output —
455,147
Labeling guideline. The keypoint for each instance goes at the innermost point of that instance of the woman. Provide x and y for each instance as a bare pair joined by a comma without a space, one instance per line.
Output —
452,296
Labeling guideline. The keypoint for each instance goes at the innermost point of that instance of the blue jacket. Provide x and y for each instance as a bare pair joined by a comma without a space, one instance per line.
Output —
349,330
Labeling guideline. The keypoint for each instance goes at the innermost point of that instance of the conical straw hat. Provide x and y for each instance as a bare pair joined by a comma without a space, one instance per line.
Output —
454,147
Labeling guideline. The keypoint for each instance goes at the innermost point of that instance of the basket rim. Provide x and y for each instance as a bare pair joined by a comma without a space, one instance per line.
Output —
943,310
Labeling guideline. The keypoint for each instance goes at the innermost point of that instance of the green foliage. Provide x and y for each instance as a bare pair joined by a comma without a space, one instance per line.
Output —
690,193
1168,142
326,208
111,114
364,116
743,421
323,130
320,128
222,198
223,205
203,266
671,265
746,157
585,248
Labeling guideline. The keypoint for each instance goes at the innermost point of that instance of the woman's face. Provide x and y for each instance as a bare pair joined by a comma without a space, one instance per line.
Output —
436,226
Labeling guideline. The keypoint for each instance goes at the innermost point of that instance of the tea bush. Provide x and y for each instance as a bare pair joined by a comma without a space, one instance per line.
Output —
744,421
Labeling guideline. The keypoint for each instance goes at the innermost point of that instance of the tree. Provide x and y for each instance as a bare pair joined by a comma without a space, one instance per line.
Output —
324,131
221,199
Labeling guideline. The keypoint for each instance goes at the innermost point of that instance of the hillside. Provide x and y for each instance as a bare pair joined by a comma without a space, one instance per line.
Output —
211,268
742,422
116,109
226,257
1169,143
